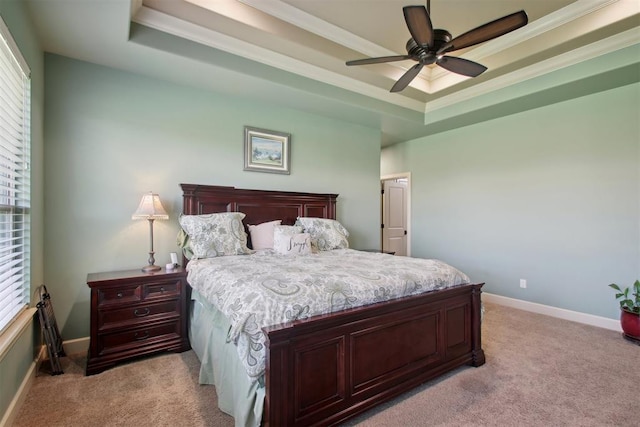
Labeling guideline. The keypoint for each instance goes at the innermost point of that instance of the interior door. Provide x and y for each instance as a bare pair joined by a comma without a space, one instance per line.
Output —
394,216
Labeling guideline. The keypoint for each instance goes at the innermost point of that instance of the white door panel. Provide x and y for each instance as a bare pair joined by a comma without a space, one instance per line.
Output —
394,217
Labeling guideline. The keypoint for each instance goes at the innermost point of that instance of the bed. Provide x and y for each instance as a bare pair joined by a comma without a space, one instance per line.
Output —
327,368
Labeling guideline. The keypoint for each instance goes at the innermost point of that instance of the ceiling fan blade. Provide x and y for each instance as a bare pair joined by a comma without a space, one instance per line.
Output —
461,66
378,60
486,32
419,24
406,78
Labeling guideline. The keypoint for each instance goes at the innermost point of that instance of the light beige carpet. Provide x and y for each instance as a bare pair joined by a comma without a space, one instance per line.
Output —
540,371
154,391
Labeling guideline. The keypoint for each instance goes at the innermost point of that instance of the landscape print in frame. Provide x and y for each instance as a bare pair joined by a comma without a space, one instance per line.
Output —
266,150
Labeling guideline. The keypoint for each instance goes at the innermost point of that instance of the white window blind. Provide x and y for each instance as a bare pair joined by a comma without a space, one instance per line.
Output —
15,194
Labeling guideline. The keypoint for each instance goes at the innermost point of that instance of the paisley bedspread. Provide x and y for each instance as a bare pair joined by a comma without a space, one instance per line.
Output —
266,288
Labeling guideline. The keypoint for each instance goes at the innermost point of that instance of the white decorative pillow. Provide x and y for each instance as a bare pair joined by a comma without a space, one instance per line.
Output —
326,234
217,234
284,232
262,234
282,235
294,244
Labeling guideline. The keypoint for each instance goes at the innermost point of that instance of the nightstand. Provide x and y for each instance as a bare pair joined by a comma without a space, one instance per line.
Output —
135,314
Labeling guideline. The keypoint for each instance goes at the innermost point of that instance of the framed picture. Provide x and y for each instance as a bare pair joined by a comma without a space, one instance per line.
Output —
266,150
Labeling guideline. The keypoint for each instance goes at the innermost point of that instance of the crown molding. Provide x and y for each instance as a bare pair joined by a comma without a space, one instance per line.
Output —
611,44
328,31
189,31
319,27
533,29
432,80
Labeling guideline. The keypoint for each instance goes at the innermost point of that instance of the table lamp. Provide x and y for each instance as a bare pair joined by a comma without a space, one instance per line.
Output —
150,209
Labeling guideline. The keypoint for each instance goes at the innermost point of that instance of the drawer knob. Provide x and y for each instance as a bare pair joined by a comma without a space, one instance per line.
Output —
141,313
162,289
119,295
143,336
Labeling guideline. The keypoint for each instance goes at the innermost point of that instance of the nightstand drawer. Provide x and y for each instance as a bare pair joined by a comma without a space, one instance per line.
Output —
134,338
161,289
108,319
119,295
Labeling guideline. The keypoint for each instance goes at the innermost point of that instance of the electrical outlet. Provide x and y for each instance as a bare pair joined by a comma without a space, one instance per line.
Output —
523,283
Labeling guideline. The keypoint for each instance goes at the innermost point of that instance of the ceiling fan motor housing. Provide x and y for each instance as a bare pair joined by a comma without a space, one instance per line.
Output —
427,54
440,38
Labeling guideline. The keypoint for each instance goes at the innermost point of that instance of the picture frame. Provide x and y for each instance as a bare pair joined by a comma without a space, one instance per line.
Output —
267,151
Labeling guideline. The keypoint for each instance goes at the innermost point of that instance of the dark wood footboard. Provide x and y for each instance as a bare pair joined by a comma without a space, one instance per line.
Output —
326,369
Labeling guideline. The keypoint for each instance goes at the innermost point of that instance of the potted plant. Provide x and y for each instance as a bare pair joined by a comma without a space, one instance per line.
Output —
629,310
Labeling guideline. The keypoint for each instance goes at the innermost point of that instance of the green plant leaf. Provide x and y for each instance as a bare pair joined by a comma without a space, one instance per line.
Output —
628,303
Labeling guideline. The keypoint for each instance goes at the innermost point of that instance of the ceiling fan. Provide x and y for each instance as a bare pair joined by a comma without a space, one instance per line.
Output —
428,46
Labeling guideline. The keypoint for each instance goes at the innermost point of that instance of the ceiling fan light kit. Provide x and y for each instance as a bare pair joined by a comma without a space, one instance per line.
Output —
429,46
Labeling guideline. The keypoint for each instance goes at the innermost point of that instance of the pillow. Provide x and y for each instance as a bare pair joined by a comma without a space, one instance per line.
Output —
262,234
217,234
285,231
292,244
326,234
182,240
282,236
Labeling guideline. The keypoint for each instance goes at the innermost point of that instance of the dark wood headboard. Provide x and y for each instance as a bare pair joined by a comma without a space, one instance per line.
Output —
258,205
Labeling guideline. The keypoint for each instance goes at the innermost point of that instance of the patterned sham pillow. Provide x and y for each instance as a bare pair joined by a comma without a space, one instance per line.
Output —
262,234
326,234
217,234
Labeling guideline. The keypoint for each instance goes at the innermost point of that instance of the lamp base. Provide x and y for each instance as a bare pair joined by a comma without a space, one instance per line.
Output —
151,268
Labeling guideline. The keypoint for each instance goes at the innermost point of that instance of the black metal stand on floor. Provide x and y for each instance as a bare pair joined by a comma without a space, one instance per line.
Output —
52,338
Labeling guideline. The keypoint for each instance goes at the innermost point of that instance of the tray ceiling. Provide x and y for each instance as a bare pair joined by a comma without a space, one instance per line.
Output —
300,46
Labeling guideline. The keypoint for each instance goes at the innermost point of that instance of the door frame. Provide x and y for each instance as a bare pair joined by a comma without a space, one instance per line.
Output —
407,176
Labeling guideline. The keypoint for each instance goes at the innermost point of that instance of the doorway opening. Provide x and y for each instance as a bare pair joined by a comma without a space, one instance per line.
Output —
395,212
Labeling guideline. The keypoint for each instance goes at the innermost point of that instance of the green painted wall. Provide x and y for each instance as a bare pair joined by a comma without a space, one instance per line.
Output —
550,195
15,365
112,136
16,362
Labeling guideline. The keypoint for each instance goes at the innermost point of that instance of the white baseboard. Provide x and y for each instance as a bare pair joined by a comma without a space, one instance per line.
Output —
78,345
561,313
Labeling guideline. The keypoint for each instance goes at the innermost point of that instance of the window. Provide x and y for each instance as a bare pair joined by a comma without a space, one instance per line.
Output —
15,195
